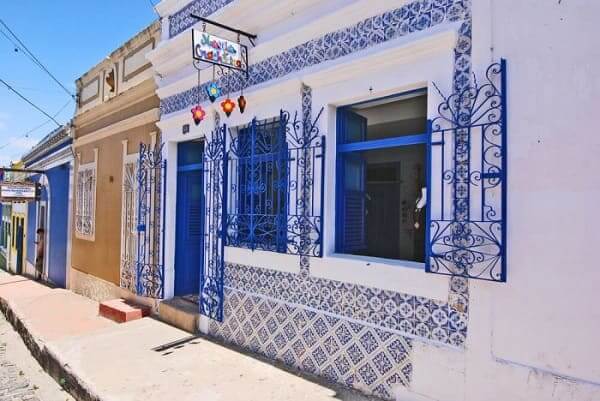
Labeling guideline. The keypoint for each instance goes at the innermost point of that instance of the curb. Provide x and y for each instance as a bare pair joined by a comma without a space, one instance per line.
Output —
48,360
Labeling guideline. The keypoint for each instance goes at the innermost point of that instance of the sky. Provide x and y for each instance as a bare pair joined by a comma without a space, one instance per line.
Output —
69,37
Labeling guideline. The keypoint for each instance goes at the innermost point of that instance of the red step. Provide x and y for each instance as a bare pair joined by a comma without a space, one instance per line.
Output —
122,311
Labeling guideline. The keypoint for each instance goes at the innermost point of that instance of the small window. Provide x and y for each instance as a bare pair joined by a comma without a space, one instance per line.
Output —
86,202
259,168
381,174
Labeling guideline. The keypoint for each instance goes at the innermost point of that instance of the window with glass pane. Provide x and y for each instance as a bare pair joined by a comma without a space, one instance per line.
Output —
260,201
381,176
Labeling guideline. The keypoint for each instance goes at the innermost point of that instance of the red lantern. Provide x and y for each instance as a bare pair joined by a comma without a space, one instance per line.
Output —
198,114
228,105
242,103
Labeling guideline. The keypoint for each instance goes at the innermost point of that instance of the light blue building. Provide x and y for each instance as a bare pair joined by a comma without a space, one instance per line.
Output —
52,156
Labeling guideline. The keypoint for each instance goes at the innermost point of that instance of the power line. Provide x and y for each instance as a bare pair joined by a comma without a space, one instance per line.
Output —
26,134
29,101
32,56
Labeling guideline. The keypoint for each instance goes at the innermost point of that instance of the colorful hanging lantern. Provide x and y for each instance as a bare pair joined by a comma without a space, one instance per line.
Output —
198,114
228,105
242,103
213,91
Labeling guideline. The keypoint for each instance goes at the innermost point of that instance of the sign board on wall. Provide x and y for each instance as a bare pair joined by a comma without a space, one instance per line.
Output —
215,50
18,192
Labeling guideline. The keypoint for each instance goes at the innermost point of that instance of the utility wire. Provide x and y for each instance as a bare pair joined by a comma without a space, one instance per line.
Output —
32,56
26,134
29,101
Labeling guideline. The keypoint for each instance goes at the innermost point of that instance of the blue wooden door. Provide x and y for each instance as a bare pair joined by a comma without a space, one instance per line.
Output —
58,230
19,245
188,247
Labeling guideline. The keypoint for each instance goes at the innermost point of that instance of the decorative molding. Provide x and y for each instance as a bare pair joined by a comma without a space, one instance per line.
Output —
181,20
53,140
410,18
147,117
138,93
83,102
127,77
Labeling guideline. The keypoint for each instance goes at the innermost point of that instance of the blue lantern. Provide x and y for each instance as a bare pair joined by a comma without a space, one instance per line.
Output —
213,91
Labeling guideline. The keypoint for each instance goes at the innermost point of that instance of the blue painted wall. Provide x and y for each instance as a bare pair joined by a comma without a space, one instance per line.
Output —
31,223
57,223
58,177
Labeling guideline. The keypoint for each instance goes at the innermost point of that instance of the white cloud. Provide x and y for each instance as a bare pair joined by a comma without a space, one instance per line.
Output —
16,147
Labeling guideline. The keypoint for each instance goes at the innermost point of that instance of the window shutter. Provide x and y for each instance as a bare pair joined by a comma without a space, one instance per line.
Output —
355,127
354,204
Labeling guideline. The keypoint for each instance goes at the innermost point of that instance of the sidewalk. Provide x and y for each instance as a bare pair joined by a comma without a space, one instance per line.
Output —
97,359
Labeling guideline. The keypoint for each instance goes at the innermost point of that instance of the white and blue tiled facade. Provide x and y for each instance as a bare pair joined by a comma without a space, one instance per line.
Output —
355,335
413,17
182,19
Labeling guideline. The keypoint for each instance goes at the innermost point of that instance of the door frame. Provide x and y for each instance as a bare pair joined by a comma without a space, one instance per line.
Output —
183,169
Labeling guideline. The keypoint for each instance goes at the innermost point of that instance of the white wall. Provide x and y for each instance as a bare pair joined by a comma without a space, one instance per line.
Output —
546,316
534,337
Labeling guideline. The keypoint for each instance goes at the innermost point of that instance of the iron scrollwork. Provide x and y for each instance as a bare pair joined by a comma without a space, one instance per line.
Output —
467,147
150,221
215,207
276,172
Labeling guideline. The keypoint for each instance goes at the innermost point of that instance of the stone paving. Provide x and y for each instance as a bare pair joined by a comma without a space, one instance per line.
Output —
14,384
21,376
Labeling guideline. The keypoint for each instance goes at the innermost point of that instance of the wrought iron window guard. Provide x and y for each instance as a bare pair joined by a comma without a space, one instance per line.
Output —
276,177
466,233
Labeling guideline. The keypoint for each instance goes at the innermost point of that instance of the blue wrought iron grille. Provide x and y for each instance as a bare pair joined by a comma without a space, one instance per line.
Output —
258,198
467,181
215,210
276,176
150,222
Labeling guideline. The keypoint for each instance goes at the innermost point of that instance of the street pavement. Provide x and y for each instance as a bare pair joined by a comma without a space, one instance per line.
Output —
21,377
146,360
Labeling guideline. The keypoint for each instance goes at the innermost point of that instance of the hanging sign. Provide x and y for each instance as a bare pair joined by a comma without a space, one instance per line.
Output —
215,50
18,192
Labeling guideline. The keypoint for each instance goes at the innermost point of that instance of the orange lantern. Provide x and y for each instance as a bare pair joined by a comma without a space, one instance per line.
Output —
228,106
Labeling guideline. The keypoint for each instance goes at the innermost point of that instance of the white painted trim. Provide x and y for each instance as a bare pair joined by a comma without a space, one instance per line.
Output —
70,223
65,155
264,259
144,118
126,159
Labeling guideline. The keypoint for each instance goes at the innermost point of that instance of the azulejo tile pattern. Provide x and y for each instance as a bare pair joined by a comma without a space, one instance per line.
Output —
352,354
412,17
305,165
181,20
409,315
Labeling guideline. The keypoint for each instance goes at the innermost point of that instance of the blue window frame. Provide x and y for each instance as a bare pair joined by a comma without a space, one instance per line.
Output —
260,166
381,177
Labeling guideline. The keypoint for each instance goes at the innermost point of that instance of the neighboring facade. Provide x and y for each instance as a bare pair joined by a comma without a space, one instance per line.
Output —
434,163
51,213
16,251
116,112
5,237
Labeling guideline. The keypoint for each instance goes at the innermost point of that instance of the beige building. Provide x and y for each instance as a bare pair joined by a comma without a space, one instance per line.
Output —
116,112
